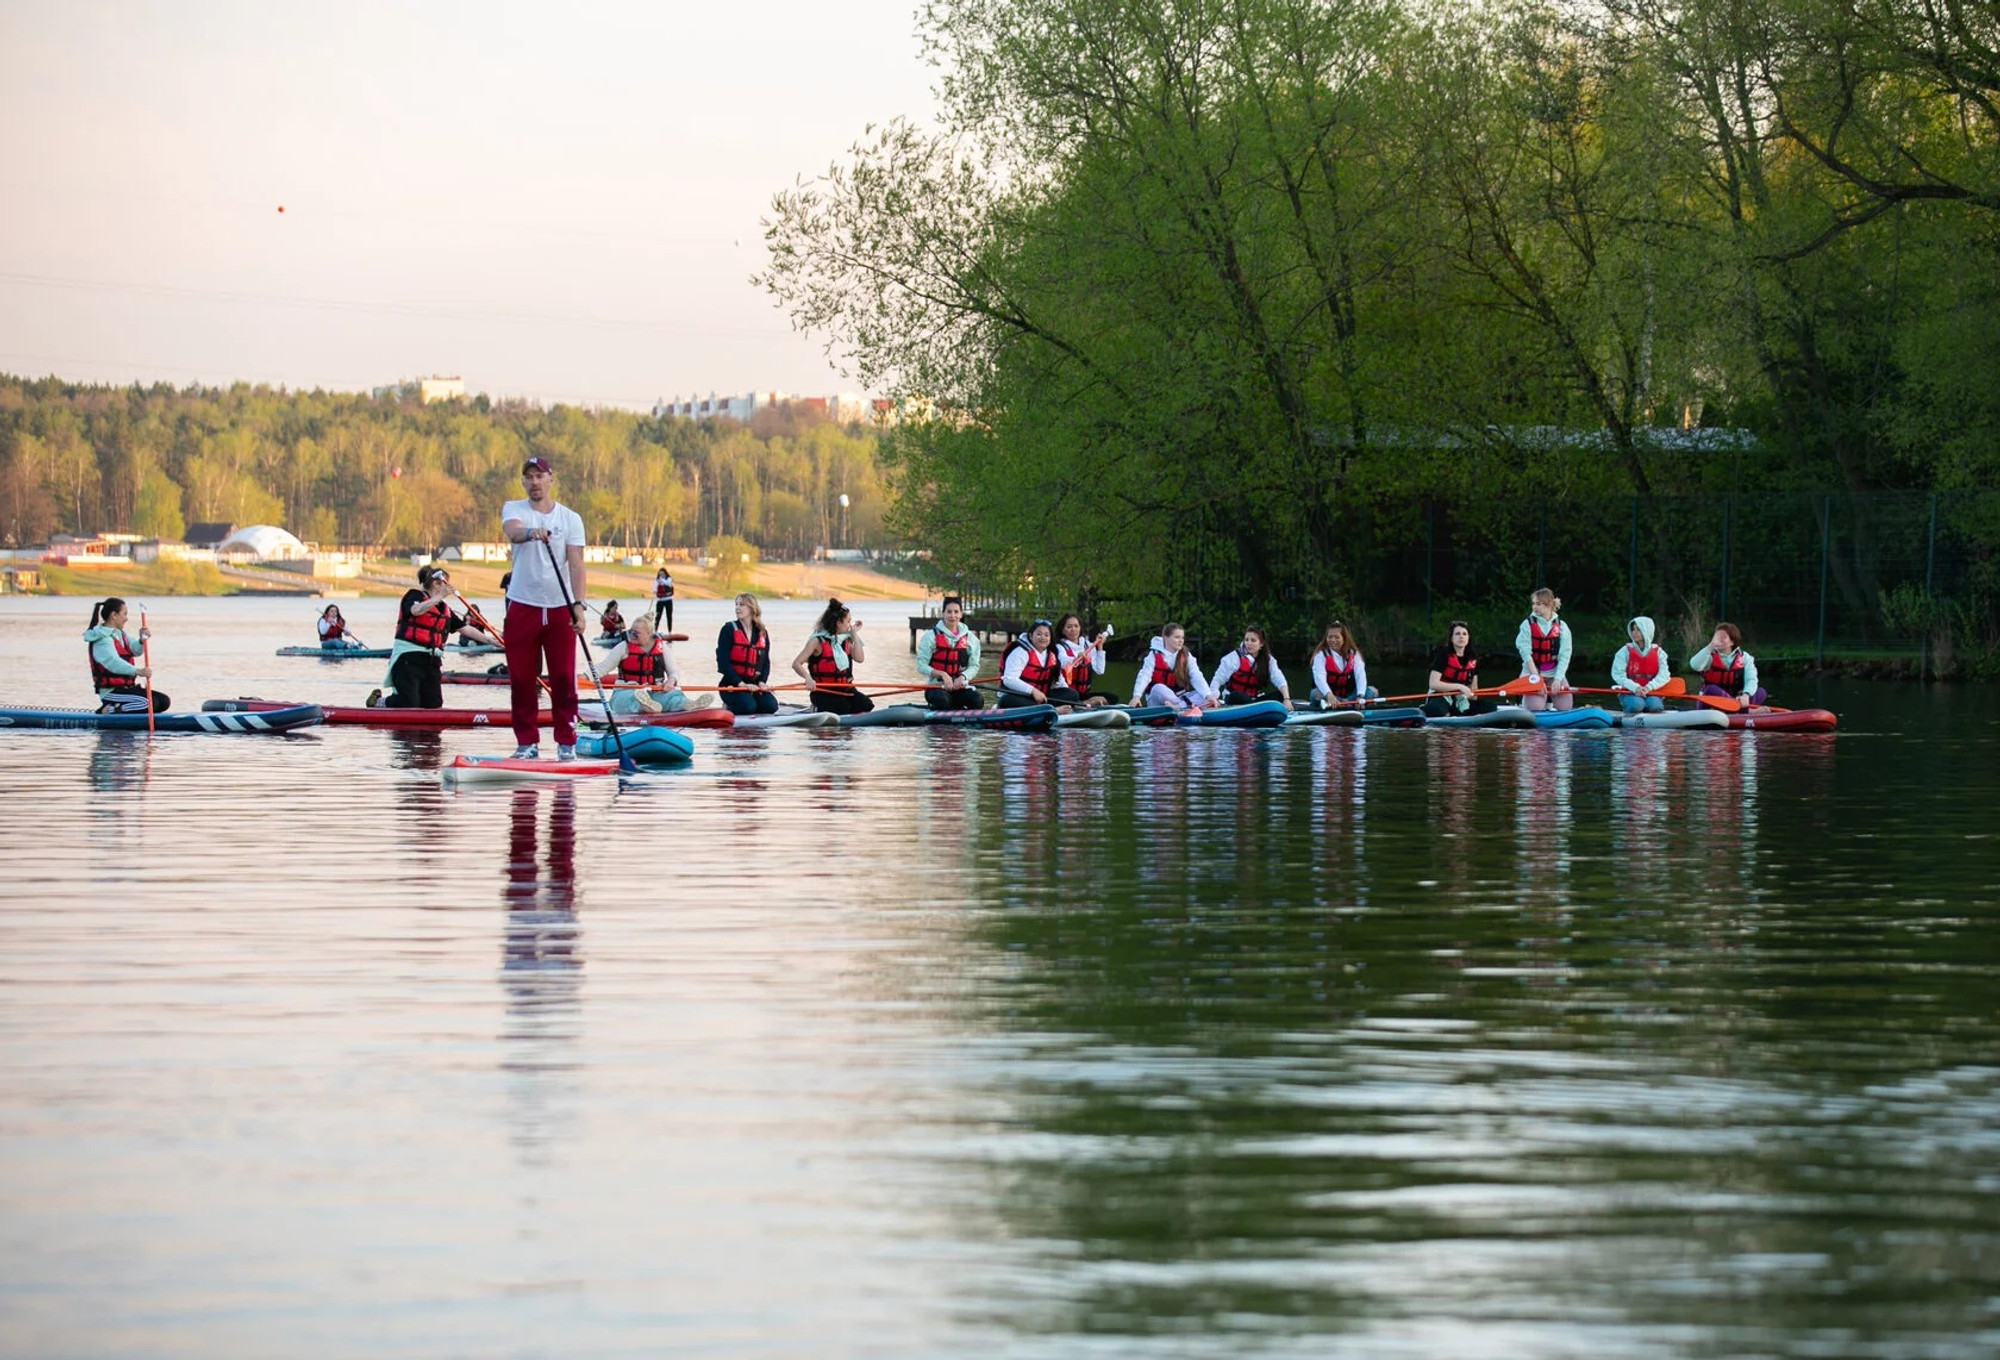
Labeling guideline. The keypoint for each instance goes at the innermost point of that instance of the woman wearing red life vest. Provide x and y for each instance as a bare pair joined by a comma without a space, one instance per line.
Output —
1081,660
643,665
1544,645
826,663
1169,676
114,661
743,659
1454,679
1031,674
424,624
1245,674
333,634
948,659
1640,670
1339,675
1726,670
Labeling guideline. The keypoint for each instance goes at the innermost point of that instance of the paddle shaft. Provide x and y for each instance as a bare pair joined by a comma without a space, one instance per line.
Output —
625,762
146,656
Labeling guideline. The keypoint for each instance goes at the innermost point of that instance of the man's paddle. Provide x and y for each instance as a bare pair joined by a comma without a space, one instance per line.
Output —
146,655
626,765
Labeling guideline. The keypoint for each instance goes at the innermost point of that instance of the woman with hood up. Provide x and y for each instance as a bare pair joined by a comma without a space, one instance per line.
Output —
1640,670
1169,676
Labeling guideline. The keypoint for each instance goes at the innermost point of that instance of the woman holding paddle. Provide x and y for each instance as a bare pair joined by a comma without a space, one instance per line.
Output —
333,634
1454,680
1081,660
114,662
743,657
1544,645
826,663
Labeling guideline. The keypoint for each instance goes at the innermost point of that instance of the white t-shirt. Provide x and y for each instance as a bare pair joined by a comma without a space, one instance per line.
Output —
535,583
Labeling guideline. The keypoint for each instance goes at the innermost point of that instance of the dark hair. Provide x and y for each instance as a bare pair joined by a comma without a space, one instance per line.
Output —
1453,627
1735,634
950,600
1262,665
331,609
831,616
1347,636
506,579
1064,620
104,609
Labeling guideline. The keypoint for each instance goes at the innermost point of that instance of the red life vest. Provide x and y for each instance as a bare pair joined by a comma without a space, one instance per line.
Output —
746,657
1459,670
1724,675
1243,682
648,667
335,630
1545,647
948,654
1339,673
1077,671
1642,668
1040,669
663,590
428,629
824,665
1163,670
103,679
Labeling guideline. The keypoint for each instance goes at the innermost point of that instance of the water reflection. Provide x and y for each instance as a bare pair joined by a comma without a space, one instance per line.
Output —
415,749
120,762
541,969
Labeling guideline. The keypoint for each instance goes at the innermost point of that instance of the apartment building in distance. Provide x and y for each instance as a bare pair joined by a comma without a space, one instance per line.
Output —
844,408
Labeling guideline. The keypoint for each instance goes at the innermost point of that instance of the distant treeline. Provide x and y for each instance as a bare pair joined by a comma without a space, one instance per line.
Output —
337,467
1225,301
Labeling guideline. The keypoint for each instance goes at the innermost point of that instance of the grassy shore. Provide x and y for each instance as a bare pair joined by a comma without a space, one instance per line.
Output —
150,579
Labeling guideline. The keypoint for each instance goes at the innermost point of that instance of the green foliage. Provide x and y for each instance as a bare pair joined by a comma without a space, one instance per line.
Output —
733,559
83,459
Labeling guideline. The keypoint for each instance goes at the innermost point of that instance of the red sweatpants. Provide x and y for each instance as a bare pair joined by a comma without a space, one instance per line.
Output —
541,641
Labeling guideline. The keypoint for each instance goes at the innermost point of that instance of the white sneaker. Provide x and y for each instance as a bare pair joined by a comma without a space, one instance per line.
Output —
565,752
528,752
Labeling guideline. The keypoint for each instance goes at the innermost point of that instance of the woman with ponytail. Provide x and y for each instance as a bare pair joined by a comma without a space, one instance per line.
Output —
114,662
826,663
1246,673
1169,675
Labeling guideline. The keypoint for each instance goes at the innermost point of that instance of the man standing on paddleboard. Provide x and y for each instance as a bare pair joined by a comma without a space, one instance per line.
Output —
541,632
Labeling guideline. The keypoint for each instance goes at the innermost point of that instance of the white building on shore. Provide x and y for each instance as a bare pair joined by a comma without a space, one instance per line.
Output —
843,408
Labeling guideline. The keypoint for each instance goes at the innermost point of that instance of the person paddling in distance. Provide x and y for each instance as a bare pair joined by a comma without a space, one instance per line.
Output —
663,601
1544,645
1454,678
1339,675
948,659
115,669
1169,676
1244,676
1640,671
743,658
424,624
333,634
1726,670
1081,660
611,623
1030,673
648,680
826,663
542,635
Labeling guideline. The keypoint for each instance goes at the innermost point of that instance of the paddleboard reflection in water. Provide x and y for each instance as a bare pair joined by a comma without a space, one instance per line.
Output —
541,968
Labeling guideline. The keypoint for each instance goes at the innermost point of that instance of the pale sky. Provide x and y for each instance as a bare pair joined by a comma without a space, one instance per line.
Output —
557,201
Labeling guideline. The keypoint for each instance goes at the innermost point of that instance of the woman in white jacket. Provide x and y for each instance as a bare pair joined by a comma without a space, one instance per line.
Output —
1169,676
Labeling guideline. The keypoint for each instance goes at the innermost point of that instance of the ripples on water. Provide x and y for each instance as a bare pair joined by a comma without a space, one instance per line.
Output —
1382,1043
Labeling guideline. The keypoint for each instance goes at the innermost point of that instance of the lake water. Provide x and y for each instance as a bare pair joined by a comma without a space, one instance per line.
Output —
940,1043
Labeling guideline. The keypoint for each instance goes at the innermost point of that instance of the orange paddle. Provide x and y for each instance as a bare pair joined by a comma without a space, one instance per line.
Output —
146,655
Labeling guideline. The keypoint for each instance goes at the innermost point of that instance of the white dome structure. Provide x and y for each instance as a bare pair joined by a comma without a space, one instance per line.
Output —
262,541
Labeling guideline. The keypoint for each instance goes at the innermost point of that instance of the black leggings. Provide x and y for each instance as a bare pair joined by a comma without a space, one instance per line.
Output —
1058,694
663,609
842,701
414,677
747,703
1441,706
949,699
131,699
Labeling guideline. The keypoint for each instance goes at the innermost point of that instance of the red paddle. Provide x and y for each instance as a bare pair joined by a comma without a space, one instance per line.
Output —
146,655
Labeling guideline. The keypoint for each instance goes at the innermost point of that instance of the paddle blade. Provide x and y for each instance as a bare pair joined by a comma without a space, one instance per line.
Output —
1526,684
1675,688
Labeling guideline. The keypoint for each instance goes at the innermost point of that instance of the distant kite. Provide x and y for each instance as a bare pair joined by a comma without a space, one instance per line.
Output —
281,207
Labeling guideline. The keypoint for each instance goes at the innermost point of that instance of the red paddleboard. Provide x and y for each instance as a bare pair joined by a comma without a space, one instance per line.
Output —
506,769
1783,720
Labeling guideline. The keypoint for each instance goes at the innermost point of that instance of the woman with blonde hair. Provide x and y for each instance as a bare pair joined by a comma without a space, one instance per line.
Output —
1544,645
743,657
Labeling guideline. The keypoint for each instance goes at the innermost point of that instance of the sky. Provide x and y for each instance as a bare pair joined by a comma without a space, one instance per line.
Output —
553,201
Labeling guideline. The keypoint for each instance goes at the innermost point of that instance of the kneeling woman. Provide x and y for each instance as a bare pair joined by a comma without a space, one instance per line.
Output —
1248,672
1081,661
1727,671
826,663
1339,675
1454,682
1031,674
1169,676
743,657
424,624
114,661
648,680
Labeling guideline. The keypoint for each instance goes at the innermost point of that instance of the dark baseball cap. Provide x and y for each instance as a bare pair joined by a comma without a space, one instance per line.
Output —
537,465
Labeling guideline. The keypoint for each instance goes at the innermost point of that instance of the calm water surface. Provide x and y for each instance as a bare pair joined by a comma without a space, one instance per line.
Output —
915,1043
